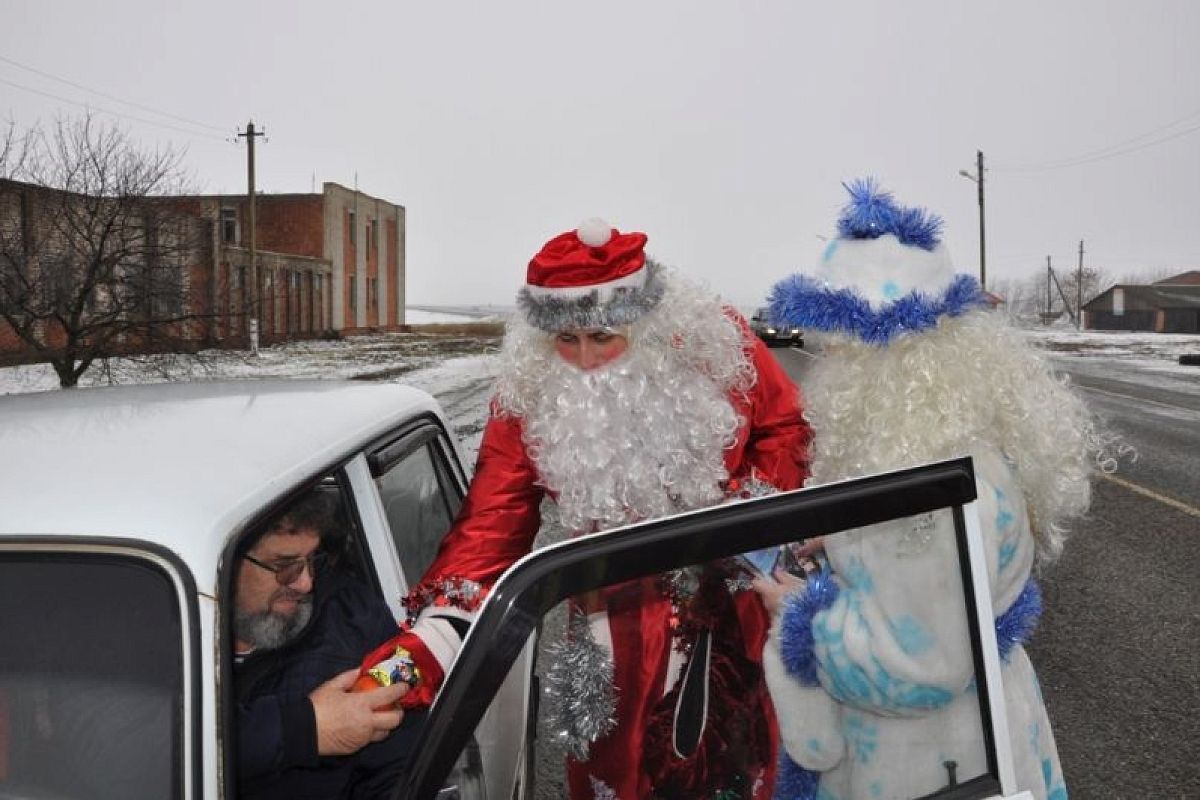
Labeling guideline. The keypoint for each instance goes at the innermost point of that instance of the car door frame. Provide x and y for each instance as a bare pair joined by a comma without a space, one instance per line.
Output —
546,577
362,471
374,461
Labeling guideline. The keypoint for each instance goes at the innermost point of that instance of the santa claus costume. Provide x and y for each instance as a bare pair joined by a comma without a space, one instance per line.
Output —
873,681
695,411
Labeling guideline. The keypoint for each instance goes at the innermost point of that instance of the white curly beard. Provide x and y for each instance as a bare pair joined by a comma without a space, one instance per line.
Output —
643,436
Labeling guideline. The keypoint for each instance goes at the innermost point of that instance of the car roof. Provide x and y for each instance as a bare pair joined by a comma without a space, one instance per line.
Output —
181,465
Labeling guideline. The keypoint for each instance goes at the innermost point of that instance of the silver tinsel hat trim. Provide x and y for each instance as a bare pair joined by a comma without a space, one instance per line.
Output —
620,307
579,686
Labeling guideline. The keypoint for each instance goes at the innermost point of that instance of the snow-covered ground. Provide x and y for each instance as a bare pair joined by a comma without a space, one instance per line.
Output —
1153,351
457,369
1146,358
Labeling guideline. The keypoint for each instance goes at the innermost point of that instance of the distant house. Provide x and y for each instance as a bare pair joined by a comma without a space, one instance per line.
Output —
1171,305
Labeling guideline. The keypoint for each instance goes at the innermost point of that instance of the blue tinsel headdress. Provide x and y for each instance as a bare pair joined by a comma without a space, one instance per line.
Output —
886,274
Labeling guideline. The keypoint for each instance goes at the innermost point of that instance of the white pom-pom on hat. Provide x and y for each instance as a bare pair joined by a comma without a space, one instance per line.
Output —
594,232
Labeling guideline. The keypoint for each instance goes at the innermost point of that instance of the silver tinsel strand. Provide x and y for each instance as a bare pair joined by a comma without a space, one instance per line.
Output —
579,686
601,790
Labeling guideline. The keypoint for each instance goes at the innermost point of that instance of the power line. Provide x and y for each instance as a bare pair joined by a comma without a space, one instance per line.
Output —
110,96
1114,150
92,107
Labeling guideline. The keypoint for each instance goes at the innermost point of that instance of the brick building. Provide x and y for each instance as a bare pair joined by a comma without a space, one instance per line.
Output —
329,263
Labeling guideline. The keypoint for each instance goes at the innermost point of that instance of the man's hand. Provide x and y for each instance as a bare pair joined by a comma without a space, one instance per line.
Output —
349,721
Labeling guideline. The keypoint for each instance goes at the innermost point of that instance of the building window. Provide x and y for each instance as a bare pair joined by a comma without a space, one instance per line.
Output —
353,229
353,293
228,225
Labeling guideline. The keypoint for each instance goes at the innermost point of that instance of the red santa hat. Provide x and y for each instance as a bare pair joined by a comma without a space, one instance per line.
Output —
591,277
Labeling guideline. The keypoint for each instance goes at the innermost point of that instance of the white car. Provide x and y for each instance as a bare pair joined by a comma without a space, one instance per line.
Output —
121,510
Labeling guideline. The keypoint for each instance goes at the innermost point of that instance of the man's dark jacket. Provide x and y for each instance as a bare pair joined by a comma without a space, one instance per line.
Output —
277,734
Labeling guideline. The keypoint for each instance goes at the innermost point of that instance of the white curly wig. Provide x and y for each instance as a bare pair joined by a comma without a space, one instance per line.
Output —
934,395
644,435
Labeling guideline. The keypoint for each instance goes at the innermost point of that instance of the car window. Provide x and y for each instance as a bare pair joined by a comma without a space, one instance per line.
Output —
419,502
680,574
91,678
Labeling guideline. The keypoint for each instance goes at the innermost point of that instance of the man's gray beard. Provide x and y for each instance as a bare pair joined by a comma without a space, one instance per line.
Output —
639,438
265,630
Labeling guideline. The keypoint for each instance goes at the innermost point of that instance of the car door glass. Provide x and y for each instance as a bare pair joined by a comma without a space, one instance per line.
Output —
91,678
892,651
418,507
895,682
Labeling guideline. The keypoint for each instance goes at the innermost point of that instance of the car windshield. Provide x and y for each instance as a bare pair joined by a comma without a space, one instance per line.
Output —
91,674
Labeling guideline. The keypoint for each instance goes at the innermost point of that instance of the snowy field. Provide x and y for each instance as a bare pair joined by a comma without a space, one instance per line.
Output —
459,369
1152,359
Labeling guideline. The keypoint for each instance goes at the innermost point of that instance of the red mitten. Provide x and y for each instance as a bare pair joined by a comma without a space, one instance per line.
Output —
402,659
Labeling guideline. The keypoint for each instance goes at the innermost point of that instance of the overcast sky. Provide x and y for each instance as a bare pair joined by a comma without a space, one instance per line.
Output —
722,130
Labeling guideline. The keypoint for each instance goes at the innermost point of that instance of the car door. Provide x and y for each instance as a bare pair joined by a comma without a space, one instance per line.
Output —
937,499
410,486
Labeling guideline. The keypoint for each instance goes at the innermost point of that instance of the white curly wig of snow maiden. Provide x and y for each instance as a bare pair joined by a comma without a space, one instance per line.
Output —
644,435
935,394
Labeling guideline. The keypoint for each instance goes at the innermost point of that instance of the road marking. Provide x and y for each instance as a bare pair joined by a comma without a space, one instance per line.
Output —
1179,505
1123,396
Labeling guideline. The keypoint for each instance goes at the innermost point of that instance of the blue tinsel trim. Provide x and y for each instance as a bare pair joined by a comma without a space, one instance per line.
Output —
872,213
802,302
1017,624
795,628
794,782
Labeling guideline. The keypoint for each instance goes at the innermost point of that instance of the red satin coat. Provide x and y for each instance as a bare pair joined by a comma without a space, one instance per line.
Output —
497,525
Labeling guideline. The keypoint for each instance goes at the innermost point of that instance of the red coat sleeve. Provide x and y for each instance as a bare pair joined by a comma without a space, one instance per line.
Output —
778,436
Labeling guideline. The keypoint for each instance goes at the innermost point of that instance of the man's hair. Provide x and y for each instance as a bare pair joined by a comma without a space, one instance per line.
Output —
315,510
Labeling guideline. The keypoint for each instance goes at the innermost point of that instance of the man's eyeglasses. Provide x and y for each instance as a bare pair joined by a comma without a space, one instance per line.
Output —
289,572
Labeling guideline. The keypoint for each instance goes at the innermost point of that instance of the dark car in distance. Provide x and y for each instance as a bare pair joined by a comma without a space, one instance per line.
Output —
772,334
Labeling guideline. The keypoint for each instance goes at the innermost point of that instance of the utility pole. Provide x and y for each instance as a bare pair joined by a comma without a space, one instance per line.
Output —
1049,272
255,301
1079,290
978,179
1066,303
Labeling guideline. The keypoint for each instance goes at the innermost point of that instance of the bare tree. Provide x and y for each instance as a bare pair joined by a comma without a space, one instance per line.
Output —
1094,282
1014,292
96,256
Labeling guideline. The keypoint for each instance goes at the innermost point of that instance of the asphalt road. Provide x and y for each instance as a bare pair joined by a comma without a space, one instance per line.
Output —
1118,649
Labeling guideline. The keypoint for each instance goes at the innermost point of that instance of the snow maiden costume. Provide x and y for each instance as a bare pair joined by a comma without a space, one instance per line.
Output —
867,664
695,411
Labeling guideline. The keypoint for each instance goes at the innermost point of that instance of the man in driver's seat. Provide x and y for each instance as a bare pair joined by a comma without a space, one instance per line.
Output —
300,628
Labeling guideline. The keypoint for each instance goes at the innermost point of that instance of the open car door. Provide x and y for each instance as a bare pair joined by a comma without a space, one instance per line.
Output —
938,499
